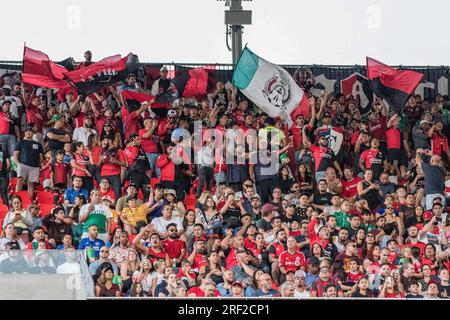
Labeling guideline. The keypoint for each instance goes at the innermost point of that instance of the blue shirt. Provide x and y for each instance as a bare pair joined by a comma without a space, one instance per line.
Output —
158,211
223,292
271,293
94,244
71,194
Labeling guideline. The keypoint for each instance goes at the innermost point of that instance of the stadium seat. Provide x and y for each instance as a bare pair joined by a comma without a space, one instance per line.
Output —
3,211
140,195
26,199
45,209
154,182
45,197
190,201
12,184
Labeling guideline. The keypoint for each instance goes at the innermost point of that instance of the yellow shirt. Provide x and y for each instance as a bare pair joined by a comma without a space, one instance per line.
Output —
138,214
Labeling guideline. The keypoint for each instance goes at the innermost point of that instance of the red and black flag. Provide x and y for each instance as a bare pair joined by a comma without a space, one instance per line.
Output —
106,72
39,70
134,100
192,83
395,86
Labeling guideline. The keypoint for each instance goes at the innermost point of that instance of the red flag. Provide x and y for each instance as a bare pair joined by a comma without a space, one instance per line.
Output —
39,70
395,86
133,97
192,83
104,73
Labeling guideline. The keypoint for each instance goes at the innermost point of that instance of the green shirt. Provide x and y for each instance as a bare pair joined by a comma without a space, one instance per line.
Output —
342,219
368,227
99,216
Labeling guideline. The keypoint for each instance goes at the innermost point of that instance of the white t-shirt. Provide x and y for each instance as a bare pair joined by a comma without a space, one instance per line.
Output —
82,134
160,224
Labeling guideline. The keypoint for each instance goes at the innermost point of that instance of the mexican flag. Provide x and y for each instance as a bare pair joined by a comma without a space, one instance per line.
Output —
270,87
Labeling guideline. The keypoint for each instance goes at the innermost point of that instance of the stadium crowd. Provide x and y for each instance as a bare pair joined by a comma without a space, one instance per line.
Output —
367,219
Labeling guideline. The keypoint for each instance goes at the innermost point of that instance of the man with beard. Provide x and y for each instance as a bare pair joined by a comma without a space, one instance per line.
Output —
82,133
198,258
324,157
175,248
225,287
275,249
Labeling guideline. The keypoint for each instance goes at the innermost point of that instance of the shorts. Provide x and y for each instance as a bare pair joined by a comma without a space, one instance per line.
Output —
27,173
47,184
397,156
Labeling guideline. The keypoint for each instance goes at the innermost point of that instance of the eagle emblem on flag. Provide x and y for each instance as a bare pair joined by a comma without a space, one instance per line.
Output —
278,90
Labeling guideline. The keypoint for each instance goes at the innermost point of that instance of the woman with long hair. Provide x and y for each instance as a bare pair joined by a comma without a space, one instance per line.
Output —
210,217
127,269
105,286
317,250
261,253
95,147
392,288
114,239
285,179
111,133
21,218
144,276
9,234
304,178
213,268
189,222
429,257
137,291
255,285
371,261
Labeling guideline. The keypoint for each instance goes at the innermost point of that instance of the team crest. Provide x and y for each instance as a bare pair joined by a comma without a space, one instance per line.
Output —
278,90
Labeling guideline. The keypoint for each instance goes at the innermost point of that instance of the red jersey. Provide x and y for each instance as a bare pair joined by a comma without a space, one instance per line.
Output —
60,171
419,244
248,243
47,172
200,293
292,262
323,157
275,249
156,256
132,124
199,261
439,144
393,138
378,128
110,193
82,160
36,116
149,145
173,247
349,188
109,169
191,274
354,277
6,123
231,258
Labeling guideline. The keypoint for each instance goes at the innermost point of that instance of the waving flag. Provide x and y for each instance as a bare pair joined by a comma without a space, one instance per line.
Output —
270,87
192,83
104,73
134,100
39,70
395,86
335,137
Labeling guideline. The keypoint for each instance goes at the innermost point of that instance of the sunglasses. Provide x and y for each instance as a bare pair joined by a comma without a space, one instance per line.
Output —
248,185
